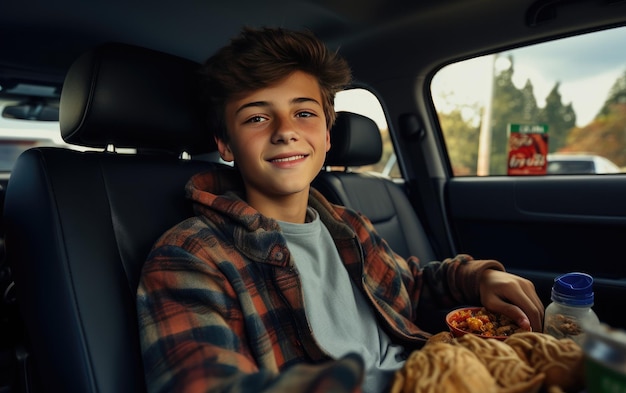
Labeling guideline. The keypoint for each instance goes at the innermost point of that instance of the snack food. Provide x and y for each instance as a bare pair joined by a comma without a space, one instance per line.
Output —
561,360
562,326
441,367
479,321
511,373
443,337
525,362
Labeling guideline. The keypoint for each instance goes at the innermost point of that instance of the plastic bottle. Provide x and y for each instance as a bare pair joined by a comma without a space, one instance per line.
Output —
570,310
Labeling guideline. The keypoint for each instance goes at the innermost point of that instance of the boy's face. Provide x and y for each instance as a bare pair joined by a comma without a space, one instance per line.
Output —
277,137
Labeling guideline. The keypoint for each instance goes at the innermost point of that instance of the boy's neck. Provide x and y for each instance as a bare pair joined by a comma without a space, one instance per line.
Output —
290,208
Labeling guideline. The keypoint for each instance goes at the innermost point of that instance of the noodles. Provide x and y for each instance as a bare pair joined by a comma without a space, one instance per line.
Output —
441,367
510,372
561,360
523,363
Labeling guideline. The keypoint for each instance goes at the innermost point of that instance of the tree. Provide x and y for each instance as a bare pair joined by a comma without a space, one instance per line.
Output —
510,105
559,118
617,95
529,103
606,134
461,142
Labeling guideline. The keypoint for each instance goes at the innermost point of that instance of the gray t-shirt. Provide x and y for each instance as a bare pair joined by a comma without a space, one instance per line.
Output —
341,319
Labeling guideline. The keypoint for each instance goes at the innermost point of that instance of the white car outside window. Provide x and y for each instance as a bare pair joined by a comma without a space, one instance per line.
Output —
579,164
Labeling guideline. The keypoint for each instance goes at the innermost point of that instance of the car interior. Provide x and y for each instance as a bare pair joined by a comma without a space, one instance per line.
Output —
78,222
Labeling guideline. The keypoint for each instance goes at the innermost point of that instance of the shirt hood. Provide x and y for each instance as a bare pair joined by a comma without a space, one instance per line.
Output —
219,194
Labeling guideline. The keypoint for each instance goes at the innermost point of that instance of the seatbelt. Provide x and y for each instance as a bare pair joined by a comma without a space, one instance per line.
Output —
422,191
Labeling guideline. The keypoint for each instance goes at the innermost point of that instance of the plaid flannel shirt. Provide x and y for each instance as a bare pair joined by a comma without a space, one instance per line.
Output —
221,308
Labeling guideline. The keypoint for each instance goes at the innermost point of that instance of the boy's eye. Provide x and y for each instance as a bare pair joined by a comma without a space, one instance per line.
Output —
255,119
305,114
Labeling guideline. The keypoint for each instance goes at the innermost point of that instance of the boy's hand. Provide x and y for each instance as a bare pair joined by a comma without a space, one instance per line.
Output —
513,296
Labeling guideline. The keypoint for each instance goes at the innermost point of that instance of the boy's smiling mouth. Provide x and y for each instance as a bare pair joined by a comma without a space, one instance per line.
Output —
289,158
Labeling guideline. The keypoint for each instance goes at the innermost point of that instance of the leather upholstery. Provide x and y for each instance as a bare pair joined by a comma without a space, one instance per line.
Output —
79,225
355,141
151,95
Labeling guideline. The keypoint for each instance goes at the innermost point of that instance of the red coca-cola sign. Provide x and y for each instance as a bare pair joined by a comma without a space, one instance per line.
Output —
528,149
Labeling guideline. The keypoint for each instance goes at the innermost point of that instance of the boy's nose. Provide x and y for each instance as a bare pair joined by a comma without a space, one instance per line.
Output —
284,131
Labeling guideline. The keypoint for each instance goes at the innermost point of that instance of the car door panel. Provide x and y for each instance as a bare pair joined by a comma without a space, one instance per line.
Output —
540,227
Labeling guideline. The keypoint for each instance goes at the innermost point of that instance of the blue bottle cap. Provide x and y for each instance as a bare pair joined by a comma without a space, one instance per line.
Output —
573,289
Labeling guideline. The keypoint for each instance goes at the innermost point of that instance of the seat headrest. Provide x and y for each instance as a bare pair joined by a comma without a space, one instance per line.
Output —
133,97
354,141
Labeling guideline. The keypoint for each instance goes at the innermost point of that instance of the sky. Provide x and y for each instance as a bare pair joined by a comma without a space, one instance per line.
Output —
586,67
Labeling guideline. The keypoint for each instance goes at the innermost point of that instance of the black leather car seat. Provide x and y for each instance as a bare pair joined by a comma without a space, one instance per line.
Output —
356,141
80,224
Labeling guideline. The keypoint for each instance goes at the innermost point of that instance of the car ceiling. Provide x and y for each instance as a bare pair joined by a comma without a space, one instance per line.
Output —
39,40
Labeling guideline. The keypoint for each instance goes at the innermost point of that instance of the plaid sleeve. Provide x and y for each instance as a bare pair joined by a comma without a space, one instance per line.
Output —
456,280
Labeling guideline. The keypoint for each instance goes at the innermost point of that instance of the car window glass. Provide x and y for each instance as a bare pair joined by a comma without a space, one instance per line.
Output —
25,124
365,103
21,129
552,108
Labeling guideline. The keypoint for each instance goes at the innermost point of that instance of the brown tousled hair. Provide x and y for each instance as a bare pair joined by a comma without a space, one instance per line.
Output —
259,57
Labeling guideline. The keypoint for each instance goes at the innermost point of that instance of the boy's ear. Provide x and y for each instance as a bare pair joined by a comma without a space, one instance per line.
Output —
224,150
327,140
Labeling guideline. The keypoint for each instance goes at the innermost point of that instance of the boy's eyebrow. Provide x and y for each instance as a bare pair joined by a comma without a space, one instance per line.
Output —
296,100
304,99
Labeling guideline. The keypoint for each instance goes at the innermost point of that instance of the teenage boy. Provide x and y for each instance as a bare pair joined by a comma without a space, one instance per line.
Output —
270,287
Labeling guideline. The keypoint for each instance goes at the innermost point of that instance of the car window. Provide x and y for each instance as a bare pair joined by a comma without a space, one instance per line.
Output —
365,103
552,108
30,120
26,122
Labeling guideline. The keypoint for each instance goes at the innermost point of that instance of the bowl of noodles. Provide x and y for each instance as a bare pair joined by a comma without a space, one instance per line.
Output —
480,322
